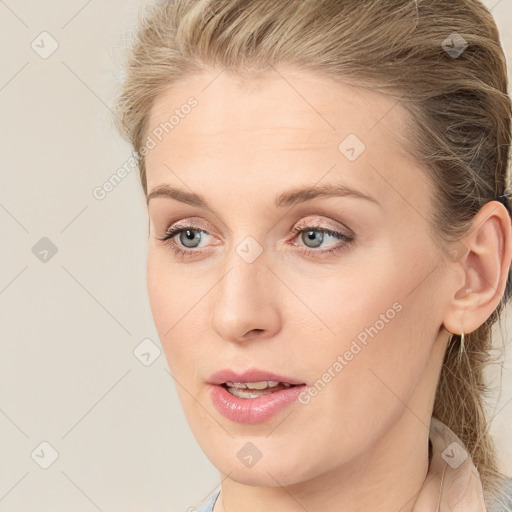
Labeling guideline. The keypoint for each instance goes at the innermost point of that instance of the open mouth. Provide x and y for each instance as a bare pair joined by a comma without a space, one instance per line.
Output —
255,389
254,396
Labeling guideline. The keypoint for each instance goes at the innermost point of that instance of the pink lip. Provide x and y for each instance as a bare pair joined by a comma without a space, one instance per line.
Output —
251,410
252,375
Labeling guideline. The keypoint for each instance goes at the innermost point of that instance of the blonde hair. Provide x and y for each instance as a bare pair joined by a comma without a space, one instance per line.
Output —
458,104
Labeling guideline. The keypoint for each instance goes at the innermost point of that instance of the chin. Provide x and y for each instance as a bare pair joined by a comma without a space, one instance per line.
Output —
278,473
255,461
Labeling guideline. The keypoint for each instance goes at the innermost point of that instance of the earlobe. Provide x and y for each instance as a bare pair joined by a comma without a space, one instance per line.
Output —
484,270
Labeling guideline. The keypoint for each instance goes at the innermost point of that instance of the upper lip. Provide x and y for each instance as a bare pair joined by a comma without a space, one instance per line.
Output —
251,375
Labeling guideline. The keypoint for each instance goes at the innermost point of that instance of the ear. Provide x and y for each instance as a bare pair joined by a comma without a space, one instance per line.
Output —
481,263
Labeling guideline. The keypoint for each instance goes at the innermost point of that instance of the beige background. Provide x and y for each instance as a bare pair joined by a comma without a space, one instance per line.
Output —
69,326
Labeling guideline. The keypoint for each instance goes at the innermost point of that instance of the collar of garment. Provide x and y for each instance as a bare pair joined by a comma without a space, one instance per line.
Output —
453,482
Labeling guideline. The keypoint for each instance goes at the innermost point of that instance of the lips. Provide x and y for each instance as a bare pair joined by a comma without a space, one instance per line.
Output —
235,401
252,375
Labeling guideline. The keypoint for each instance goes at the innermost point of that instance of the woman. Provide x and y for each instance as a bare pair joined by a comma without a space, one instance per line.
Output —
330,243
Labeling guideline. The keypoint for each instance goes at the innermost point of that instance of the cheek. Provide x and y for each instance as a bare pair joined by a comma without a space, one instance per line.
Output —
178,312
368,342
348,303
168,300
160,293
373,374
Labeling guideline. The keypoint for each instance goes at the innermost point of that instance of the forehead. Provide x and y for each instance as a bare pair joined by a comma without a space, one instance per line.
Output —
285,98
284,126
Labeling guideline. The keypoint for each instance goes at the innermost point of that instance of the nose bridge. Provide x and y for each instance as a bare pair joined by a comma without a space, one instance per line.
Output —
245,270
244,300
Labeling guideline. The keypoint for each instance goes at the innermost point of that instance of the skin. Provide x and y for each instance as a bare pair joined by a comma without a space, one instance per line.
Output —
363,440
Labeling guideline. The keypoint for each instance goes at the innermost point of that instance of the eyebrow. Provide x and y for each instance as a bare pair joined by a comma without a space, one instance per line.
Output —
289,198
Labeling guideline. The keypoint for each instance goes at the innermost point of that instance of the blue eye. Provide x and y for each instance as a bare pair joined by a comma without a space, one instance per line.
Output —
310,231
193,235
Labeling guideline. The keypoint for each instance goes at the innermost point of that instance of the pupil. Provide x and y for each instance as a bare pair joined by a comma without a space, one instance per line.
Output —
190,236
311,236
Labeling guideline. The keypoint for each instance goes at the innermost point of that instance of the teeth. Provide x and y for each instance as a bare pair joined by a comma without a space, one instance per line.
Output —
263,384
255,389
246,393
235,384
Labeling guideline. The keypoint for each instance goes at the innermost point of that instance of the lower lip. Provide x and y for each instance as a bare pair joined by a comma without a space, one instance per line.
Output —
252,410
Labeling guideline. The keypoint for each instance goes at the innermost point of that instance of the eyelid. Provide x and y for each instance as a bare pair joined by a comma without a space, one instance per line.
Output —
325,224
319,221
189,221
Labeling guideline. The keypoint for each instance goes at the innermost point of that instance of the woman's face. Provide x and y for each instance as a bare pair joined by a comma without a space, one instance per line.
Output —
342,293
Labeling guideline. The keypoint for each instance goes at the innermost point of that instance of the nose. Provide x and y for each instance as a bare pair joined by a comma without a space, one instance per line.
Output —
245,305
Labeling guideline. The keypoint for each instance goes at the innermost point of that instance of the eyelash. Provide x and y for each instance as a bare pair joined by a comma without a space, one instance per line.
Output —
171,233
